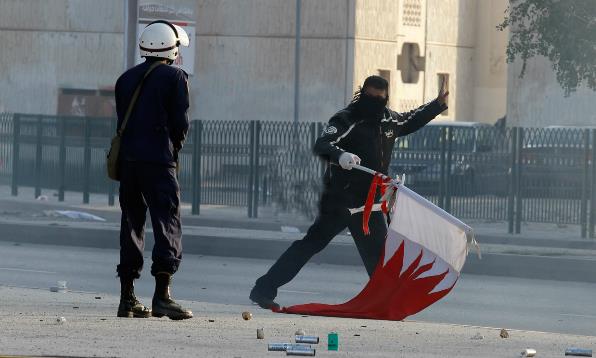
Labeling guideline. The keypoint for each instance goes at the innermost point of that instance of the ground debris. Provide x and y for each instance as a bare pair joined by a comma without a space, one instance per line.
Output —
529,352
246,315
478,336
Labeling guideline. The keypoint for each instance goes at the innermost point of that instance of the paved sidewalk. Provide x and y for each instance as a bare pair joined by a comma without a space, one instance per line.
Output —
546,252
28,318
271,219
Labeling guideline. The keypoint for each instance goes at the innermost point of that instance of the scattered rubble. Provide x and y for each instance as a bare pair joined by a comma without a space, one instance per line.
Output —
260,333
246,315
504,333
478,336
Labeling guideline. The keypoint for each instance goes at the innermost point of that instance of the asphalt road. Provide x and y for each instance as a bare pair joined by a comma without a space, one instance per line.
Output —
488,301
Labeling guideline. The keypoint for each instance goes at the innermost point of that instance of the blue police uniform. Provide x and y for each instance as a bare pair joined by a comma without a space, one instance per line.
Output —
151,141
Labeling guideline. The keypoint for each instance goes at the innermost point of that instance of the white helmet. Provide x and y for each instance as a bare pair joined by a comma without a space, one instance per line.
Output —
162,39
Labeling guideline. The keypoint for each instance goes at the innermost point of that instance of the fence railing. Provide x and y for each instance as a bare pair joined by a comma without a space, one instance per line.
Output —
474,172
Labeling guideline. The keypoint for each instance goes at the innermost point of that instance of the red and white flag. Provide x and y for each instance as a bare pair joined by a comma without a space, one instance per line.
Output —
424,253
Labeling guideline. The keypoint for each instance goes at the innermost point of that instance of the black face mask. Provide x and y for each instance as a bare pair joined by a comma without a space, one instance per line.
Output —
371,107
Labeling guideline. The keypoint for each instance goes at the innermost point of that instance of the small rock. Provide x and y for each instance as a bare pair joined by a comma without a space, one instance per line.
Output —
300,332
260,333
356,335
42,198
528,352
211,320
60,320
478,336
504,333
246,315
75,307
97,298
362,326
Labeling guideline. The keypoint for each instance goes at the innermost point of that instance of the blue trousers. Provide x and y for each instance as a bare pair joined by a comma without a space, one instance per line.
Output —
155,187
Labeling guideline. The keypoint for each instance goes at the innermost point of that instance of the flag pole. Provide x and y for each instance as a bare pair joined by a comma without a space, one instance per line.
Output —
372,172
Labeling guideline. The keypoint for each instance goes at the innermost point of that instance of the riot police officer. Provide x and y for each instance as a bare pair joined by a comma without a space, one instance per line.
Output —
362,133
151,140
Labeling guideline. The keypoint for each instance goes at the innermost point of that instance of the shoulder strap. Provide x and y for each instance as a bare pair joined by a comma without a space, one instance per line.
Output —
135,96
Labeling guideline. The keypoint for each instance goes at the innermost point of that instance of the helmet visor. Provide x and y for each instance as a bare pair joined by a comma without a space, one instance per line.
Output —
182,36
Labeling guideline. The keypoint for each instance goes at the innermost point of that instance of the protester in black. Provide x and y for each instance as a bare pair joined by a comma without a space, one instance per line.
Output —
151,141
362,133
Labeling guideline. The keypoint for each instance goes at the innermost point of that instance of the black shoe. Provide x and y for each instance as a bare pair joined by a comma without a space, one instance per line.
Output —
263,301
163,304
130,306
133,309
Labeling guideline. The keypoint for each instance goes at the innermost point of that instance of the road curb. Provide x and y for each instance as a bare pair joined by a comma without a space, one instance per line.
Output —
511,265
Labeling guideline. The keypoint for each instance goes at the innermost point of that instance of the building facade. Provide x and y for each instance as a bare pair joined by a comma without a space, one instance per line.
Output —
63,56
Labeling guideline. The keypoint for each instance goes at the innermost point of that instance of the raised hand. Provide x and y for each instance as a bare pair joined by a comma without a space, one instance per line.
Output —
443,92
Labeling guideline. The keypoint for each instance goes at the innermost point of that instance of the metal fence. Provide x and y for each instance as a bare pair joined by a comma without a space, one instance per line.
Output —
474,172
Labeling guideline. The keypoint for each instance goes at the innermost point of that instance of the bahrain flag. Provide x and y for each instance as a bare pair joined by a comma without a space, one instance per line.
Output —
424,253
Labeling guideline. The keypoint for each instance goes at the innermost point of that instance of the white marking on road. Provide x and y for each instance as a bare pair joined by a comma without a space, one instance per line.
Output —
306,292
577,315
25,270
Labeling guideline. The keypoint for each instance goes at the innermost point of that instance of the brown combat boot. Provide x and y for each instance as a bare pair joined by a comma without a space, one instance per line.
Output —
130,306
163,304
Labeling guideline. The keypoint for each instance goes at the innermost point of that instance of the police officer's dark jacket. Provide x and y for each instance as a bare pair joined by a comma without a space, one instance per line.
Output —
159,122
371,140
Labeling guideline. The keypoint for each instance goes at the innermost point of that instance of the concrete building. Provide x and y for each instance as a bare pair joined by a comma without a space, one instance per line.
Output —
56,50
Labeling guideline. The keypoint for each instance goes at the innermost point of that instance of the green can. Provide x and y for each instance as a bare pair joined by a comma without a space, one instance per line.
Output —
332,341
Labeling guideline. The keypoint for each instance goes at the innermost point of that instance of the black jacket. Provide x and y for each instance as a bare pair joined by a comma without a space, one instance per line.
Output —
372,141
159,122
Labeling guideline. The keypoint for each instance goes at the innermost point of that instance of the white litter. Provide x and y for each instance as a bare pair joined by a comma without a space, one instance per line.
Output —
79,215
290,229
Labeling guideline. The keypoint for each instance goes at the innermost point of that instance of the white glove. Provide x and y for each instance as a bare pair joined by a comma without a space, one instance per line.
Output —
348,160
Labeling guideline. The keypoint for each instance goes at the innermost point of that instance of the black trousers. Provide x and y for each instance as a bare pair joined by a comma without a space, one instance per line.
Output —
155,187
332,220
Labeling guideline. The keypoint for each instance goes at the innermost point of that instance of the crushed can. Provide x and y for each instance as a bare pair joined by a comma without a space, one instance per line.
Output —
580,352
300,350
307,339
332,341
282,347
